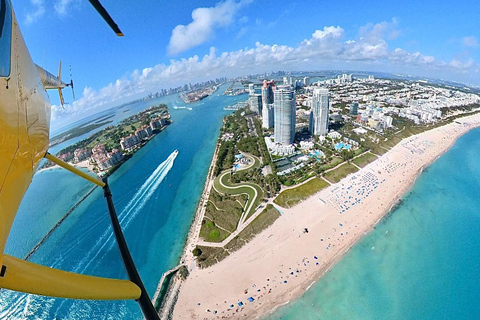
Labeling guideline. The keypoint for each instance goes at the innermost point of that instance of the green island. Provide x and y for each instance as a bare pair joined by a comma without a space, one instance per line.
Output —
80,130
105,151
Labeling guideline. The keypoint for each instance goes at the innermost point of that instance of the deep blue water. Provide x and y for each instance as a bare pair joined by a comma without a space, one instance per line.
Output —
421,262
155,200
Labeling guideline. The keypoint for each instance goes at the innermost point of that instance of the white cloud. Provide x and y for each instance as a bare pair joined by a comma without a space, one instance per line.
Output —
327,48
413,59
470,41
62,7
202,28
242,32
461,65
38,11
334,32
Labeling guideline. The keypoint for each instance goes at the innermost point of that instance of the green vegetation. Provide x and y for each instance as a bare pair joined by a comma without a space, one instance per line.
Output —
225,157
224,210
183,272
196,252
211,255
250,145
243,188
260,223
335,161
111,135
78,131
266,160
237,125
341,172
290,197
364,159
211,233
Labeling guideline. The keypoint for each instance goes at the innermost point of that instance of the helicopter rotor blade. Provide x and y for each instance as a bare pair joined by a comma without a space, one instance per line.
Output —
71,83
98,6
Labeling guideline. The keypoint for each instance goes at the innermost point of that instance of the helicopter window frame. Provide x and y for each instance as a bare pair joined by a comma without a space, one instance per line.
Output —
5,37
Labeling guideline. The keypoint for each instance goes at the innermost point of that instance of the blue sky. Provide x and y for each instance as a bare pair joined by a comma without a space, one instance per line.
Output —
168,43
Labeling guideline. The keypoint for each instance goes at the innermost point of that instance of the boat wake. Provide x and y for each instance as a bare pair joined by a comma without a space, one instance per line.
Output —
128,214
22,306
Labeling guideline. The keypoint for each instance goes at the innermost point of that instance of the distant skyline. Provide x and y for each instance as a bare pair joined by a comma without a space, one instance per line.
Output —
167,44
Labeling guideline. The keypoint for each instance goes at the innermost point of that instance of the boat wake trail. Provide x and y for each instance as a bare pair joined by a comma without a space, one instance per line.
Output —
131,210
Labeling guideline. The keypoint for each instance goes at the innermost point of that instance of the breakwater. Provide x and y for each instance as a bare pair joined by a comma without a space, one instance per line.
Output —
65,216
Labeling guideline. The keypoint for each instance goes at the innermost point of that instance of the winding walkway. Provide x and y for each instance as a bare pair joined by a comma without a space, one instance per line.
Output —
222,186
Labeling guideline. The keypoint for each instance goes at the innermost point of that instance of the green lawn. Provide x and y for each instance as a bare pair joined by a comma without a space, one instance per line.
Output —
211,233
341,172
239,189
335,161
364,159
224,210
291,197
212,255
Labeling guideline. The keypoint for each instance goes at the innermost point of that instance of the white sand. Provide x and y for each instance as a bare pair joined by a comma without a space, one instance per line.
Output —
82,164
270,258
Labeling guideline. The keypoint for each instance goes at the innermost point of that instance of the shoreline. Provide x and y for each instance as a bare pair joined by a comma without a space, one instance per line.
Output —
392,207
187,259
195,288
85,164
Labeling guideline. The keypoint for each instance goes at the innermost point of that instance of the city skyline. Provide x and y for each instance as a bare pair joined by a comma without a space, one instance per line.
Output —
202,41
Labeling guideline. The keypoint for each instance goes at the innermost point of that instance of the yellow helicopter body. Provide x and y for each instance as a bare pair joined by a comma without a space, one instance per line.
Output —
24,138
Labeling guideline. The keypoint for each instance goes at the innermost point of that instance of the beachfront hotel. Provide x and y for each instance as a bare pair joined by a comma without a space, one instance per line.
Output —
320,110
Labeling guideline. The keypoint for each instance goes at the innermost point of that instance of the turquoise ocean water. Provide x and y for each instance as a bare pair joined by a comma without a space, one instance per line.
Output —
155,198
421,262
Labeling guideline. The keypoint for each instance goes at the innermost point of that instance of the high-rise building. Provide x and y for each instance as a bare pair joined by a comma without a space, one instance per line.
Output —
267,99
267,92
255,102
284,115
354,109
267,116
306,81
320,111
251,88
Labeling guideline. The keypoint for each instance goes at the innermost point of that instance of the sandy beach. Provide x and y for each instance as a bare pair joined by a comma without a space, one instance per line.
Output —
82,164
279,264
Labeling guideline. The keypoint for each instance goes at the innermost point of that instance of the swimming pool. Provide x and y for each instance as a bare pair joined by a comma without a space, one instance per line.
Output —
339,146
